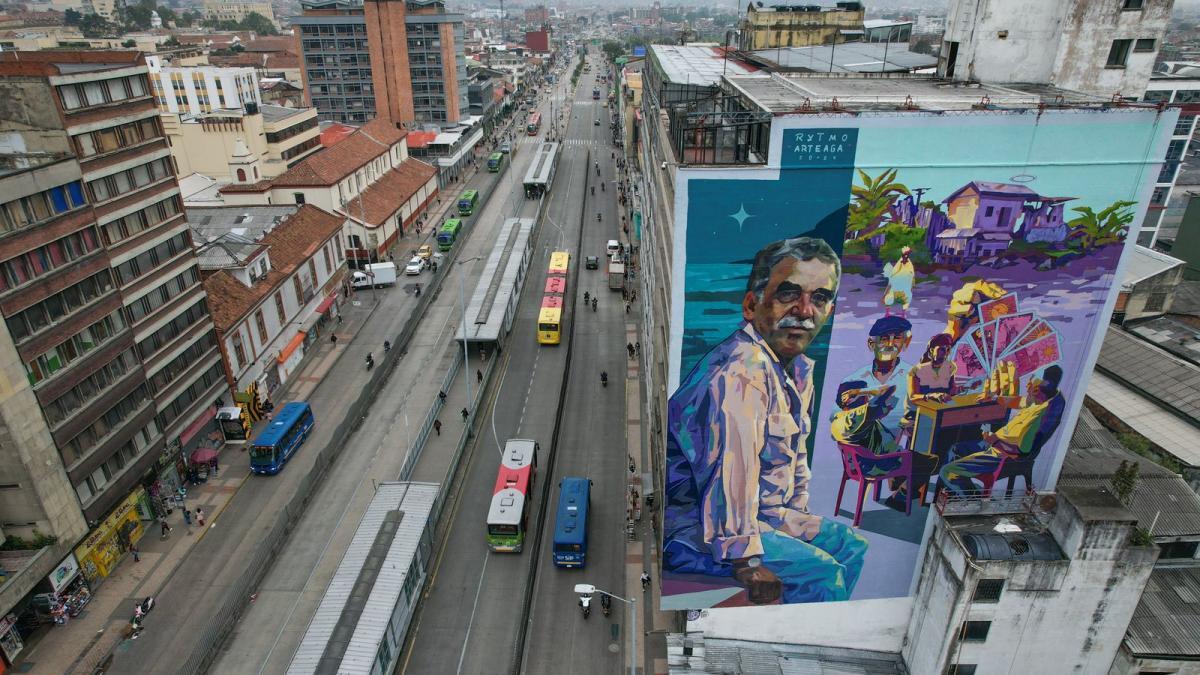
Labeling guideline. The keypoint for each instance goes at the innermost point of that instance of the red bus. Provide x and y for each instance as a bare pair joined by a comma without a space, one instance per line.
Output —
535,124
509,509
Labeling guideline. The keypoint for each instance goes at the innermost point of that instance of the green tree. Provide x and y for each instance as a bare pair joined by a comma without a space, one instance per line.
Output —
1091,229
258,23
94,26
72,17
188,19
136,17
1124,480
872,200
168,16
129,44
612,49
898,235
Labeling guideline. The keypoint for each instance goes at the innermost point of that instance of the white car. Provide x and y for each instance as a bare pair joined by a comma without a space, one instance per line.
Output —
414,266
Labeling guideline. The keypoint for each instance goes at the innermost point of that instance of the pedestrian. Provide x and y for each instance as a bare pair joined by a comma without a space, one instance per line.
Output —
216,470
333,339
166,529
626,307
629,348
442,397
437,427
479,376
136,554
645,580
465,414
199,517
624,293
339,319
187,517
637,347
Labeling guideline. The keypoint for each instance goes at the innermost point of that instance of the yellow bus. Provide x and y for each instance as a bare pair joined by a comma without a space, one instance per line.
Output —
559,260
549,325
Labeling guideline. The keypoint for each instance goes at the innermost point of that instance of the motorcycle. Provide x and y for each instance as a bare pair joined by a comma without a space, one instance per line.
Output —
593,304
606,604
604,379
370,362
586,604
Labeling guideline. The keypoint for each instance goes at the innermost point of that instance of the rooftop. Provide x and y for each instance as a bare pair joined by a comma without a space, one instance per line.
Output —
1153,372
1167,619
851,57
1177,333
390,191
1160,496
292,240
335,163
275,113
743,657
787,92
697,65
1145,263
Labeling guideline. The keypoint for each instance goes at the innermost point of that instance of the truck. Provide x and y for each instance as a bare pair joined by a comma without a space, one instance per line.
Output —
375,275
616,274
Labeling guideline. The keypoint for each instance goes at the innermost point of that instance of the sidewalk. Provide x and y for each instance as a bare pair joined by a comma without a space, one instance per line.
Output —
81,644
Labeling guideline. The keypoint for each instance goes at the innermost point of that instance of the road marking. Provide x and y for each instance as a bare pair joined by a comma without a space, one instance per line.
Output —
467,638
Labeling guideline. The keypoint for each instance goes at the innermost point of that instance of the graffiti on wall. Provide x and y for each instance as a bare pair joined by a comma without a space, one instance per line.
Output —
882,314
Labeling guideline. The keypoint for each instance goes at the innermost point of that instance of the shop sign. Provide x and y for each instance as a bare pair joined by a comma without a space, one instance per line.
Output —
99,550
64,573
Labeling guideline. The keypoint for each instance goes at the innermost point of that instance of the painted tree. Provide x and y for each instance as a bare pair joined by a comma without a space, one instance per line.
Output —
872,201
1091,229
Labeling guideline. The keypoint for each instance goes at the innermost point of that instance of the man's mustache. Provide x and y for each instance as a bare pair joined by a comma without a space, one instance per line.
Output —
793,322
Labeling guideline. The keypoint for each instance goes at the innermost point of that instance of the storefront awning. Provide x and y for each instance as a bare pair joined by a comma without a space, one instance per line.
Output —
326,304
292,345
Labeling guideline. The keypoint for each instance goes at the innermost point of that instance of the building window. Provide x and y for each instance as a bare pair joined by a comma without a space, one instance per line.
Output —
241,175
1144,45
299,290
41,206
1183,127
261,322
328,262
279,307
30,265
53,360
1118,55
1155,302
988,591
962,669
299,197
1130,5
239,351
312,270
975,631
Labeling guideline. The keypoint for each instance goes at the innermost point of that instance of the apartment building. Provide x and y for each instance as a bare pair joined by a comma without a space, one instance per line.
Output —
403,61
200,90
799,25
102,296
236,10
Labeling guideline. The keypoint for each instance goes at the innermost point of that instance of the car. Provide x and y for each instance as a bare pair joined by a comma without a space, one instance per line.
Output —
414,266
592,262
425,252
613,247
506,147
597,122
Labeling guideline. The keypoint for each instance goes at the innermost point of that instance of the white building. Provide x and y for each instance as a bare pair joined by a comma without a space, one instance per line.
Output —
1169,201
199,90
1099,47
274,274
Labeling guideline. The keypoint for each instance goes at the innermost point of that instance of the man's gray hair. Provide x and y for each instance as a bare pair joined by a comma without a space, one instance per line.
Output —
800,248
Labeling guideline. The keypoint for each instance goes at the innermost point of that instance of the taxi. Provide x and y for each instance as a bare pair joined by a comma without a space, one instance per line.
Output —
425,252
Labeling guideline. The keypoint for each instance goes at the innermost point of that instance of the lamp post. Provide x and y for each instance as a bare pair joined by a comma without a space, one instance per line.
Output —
588,590
463,302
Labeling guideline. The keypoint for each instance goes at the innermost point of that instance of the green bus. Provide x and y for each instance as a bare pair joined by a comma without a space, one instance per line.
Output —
467,202
494,161
449,233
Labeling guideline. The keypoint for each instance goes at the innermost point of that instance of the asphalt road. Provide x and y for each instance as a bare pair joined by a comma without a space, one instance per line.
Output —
271,627
470,619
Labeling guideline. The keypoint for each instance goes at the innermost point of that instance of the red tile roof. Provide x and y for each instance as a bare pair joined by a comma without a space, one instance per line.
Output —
420,139
385,197
331,165
292,242
335,133
271,43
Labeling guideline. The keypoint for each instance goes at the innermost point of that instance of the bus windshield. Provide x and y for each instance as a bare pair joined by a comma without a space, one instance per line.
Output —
261,452
502,529
547,326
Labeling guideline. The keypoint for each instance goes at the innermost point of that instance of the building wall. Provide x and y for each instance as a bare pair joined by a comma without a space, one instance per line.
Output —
1152,297
336,66
769,29
387,42
195,91
205,146
1165,214
236,11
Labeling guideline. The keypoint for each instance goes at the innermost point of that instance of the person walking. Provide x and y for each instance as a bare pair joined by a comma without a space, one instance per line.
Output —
645,580
136,554
187,517
199,517
165,528
437,427
479,376
637,347
442,397
465,414
629,348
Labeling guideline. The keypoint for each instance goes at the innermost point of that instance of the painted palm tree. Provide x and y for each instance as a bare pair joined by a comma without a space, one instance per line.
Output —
1091,229
872,202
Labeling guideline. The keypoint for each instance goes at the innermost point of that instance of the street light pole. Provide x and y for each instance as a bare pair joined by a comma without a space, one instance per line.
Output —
588,589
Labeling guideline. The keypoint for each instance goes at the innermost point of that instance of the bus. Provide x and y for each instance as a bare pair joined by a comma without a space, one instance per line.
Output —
448,233
595,93
467,202
540,175
571,522
276,444
509,511
495,161
535,123
549,328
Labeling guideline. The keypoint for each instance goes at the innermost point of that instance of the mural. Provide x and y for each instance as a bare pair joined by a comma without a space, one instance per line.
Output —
893,308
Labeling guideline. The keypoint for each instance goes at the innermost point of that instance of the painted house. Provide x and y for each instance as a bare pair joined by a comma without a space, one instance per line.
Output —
985,217
987,206
1043,221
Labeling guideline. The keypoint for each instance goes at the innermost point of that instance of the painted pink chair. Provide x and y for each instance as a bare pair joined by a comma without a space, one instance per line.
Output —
860,464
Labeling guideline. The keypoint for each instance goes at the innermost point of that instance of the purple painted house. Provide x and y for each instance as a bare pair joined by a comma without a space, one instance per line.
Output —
985,217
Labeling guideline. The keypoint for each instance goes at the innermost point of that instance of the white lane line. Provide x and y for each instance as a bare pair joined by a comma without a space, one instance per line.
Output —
467,637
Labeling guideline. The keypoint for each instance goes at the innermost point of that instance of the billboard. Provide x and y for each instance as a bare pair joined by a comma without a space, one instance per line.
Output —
896,304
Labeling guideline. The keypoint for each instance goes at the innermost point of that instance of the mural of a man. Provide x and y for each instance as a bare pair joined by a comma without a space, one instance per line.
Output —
737,467
1014,439
899,277
888,337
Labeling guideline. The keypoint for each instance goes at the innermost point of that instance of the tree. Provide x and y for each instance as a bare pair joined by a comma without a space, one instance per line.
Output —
188,19
896,236
258,23
129,44
1092,230
1124,480
168,16
612,50
72,17
136,16
94,26
872,201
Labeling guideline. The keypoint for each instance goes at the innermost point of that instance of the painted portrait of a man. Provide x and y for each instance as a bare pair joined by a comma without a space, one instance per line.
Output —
737,461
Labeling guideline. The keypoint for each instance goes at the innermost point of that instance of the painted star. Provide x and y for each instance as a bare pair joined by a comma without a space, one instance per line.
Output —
740,216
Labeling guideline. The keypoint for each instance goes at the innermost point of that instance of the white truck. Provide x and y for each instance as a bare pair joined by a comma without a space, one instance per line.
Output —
616,274
375,274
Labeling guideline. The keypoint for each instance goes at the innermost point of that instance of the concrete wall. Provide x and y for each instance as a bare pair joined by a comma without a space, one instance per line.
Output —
1090,28
874,625
1163,284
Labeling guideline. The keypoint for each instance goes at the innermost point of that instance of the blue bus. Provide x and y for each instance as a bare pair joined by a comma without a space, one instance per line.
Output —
571,522
279,441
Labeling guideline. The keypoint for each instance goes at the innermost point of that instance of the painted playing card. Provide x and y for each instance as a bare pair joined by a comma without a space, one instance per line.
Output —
967,363
991,310
1037,330
977,342
1008,330
989,341
1033,357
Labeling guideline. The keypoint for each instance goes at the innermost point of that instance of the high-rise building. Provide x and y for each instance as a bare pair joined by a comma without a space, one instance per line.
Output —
100,292
227,10
399,60
199,90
